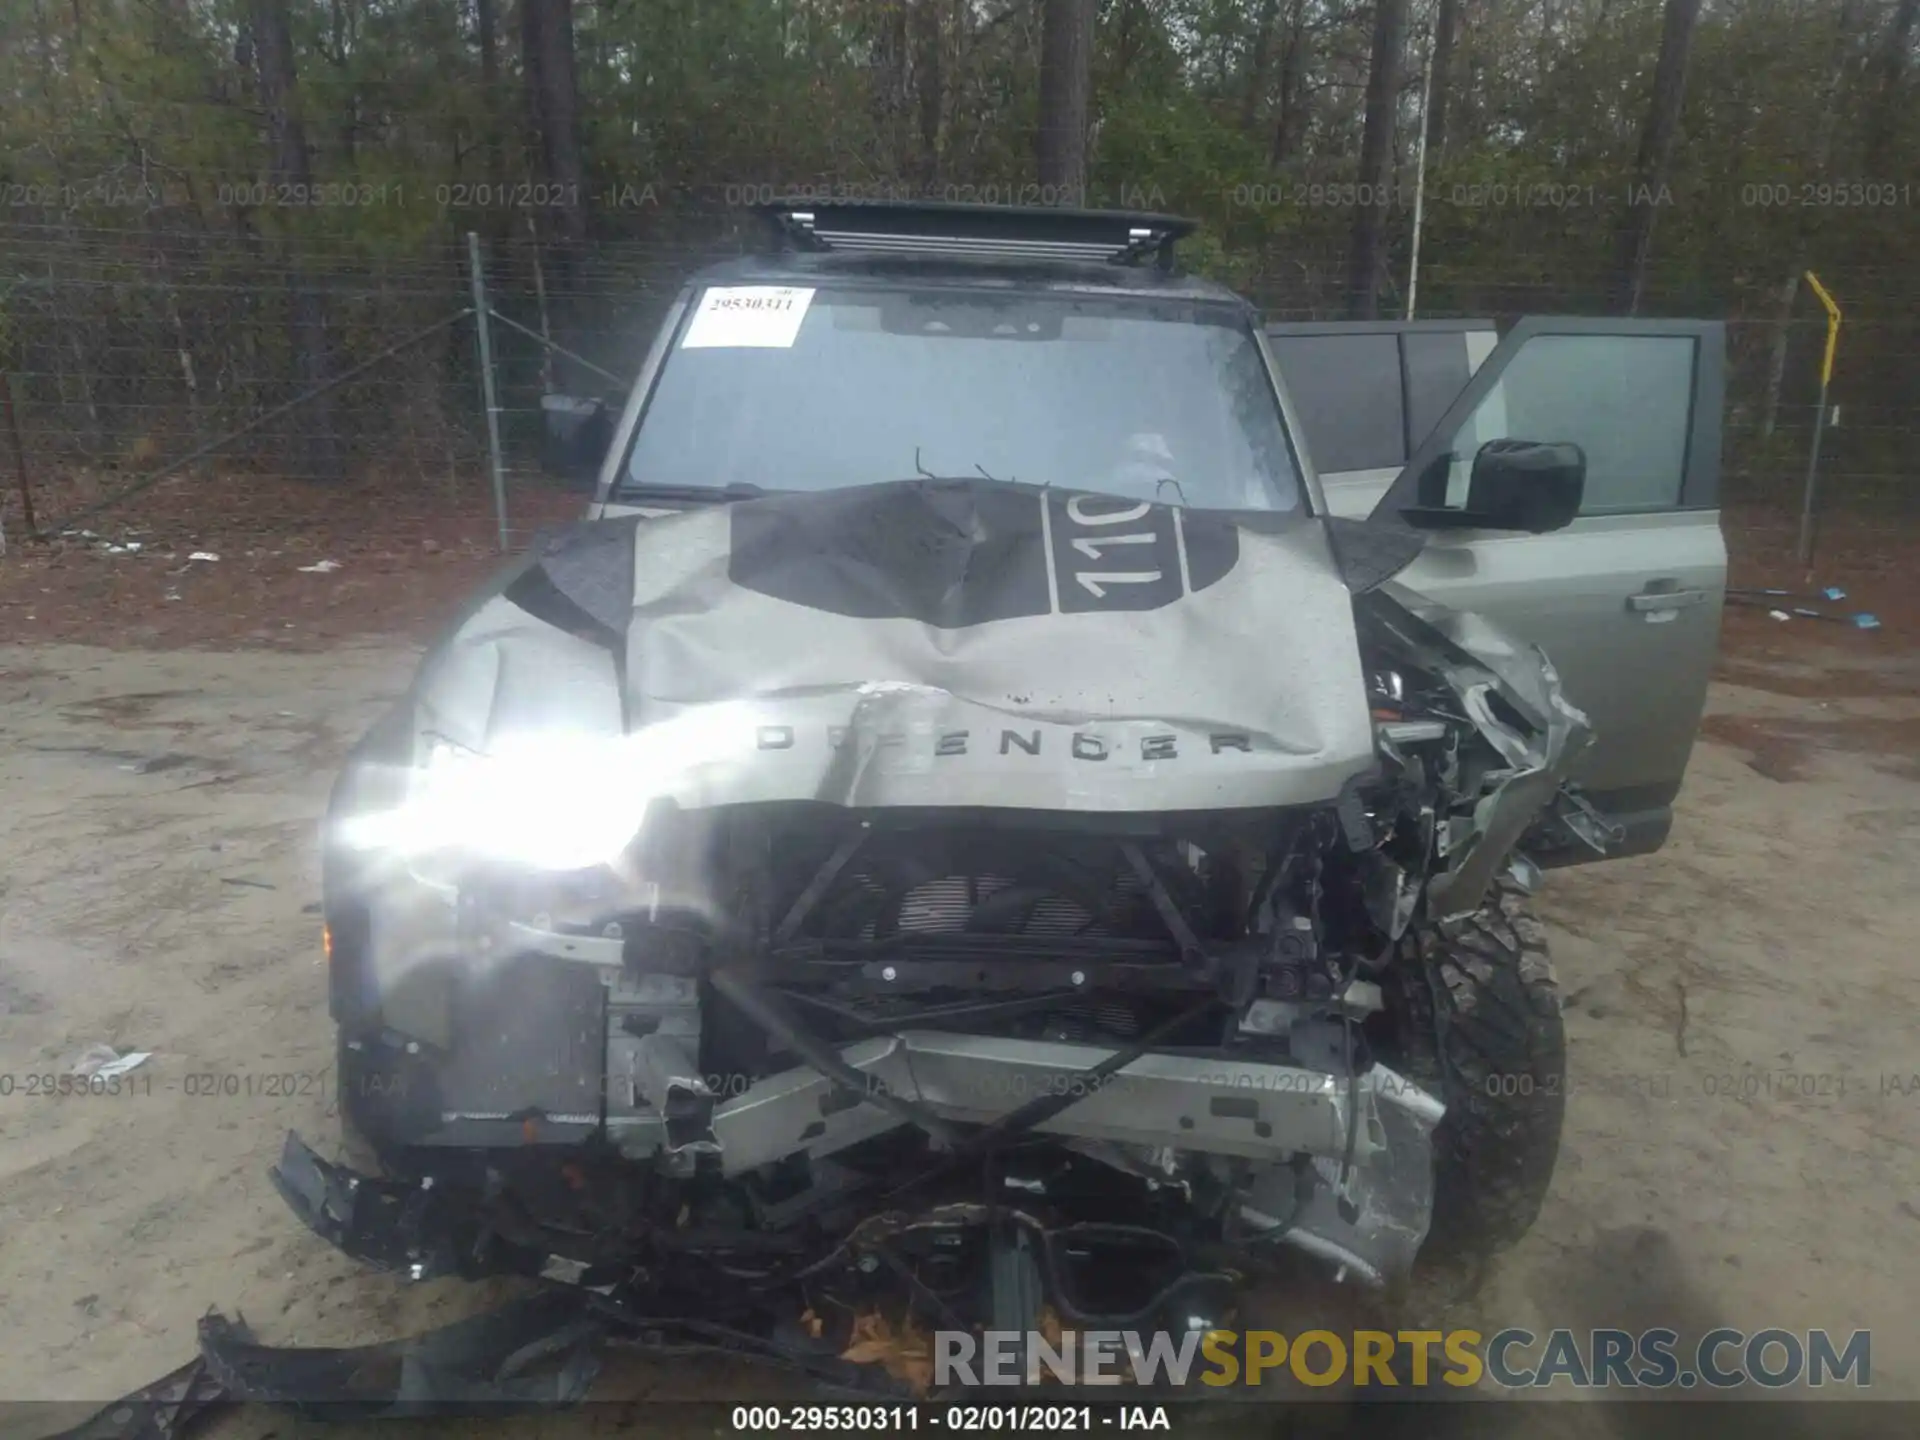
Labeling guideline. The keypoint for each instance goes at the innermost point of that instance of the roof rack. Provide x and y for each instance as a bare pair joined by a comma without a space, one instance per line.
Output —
997,232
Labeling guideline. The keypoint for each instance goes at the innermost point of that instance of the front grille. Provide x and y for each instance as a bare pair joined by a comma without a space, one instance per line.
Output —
945,906
988,904
980,882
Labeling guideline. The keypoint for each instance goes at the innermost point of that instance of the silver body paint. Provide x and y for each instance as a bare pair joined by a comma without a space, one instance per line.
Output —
1248,693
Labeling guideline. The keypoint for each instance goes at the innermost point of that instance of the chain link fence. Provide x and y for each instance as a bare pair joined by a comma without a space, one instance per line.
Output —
174,351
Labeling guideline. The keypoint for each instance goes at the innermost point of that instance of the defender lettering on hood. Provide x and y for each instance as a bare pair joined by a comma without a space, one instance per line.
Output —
1081,745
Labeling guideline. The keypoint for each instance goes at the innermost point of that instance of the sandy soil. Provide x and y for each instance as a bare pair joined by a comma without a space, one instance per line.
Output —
1741,1136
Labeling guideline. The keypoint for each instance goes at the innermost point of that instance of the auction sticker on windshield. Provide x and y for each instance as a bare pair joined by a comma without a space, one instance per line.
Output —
763,316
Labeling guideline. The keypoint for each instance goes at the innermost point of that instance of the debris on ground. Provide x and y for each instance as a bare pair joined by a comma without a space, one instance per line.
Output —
154,764
1859,619
1827,593
106,1062
319,567
406,557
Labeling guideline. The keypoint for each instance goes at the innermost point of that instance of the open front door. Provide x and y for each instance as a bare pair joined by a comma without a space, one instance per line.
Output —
1625,600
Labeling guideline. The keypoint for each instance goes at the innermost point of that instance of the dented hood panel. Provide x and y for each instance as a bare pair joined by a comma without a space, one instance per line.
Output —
931,643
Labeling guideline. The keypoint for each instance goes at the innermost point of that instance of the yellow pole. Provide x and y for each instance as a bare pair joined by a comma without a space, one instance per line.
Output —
1833,325
1820,419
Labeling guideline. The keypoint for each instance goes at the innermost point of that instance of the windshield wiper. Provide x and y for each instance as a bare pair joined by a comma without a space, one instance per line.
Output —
640,491
926,474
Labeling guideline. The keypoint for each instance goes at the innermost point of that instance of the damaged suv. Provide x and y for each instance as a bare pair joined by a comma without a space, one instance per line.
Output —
973,827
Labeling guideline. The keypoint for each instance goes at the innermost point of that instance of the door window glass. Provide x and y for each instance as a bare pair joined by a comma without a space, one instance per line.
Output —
1346,391
1625,400
1437,371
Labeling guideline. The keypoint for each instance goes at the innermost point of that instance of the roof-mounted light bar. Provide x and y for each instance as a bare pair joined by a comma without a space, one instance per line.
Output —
998,232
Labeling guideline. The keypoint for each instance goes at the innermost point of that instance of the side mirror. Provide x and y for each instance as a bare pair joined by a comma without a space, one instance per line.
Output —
1529,485
575,437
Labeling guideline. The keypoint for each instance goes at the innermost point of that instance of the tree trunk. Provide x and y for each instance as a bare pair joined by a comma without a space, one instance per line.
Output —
291,164
486,35
1367,250
94,436
1829,109
1259,68
1293,76
197,434
1445,27
1127,44
929,85
553,102
343,44
534,145
1777,354
1884,117
43,41
553,109
889,92
1655,157
1066,81
289,160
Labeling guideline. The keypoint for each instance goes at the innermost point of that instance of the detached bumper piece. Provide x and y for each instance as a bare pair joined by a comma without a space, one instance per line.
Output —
533,1354
404,1226
540,1353
164,1410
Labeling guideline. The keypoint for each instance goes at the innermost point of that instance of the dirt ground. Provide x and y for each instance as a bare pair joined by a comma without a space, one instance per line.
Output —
1742,1132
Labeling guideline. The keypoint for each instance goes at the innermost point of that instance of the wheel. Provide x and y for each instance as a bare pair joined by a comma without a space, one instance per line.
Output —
1482,1022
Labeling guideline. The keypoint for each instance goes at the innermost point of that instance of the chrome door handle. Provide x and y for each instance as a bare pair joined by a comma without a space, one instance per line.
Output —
1666,599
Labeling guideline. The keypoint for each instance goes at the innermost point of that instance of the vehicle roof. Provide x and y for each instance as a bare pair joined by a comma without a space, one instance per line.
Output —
822,267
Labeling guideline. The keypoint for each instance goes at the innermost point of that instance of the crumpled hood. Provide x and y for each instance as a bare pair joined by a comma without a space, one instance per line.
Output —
930,643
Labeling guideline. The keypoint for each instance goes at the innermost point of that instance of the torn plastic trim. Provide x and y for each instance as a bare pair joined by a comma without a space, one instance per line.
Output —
163,1410
537,1353
406,1226
1369,553
1490,673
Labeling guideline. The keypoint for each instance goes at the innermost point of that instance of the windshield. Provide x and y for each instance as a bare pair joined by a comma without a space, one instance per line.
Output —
818,389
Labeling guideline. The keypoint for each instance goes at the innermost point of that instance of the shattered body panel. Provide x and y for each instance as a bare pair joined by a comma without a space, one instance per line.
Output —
1535,730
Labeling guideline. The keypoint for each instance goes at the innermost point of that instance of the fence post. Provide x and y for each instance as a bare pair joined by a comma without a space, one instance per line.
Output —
19,456
485,335
1819,420
1420,174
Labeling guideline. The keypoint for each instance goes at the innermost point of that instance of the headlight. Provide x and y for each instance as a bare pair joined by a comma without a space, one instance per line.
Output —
550,800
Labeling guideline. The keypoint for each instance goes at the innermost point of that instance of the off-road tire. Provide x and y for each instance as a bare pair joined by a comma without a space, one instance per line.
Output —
1484,1024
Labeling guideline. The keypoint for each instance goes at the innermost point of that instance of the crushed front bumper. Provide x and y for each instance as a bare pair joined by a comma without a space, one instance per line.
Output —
1348,1178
